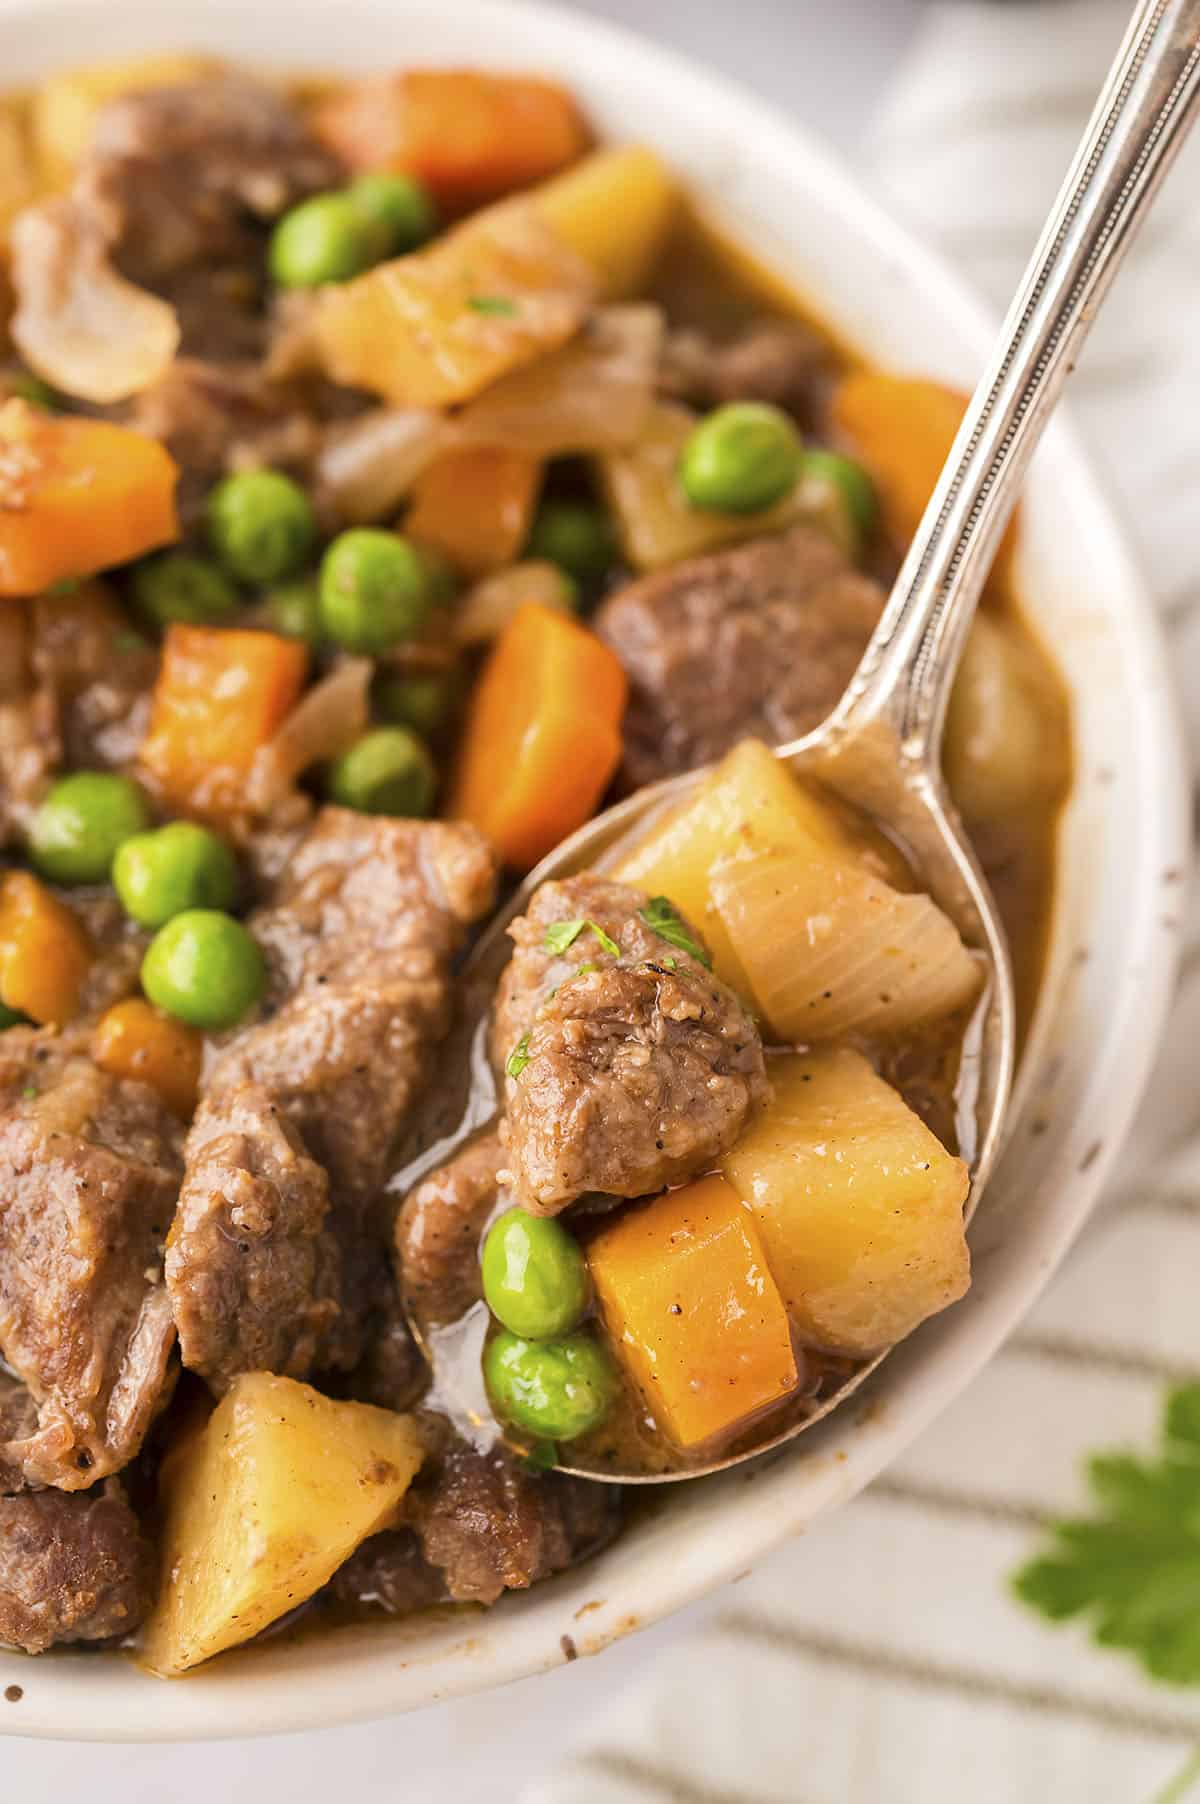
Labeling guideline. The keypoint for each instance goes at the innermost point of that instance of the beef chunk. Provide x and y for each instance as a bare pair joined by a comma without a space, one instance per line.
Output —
392,1372
118,944
490,1525
358,937
99,674
358,940
89,1171
253,1268
760,640
71,1568
780,361
638,1072
179,177
390,1573
29,747
438,1230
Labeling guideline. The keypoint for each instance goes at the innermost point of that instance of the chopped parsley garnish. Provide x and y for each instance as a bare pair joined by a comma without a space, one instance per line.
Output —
125,639
542,1456
1133,1567
518,1058
561,936
66,585
664,919
586,970
500,305
30,1091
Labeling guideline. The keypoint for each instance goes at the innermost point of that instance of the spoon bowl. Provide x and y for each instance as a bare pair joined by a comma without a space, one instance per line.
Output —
880,749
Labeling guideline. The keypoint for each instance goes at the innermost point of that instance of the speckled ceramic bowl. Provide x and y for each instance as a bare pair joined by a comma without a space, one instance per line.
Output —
1124,835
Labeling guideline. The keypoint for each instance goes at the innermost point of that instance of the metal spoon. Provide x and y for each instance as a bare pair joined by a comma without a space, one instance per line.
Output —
880,748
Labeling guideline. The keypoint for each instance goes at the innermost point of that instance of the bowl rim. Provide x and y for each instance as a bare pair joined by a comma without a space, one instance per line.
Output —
77,1695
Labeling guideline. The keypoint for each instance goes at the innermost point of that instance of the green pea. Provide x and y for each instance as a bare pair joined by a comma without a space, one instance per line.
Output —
534,1277
423,703
181,866
85,819
741,459
294,609
399,210
374,590
555,1389
179,586
11,1017
575,536
855,486
205,968
325,239
388,771
261,525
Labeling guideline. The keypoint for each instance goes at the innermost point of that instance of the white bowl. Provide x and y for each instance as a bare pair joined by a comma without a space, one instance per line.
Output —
1112,958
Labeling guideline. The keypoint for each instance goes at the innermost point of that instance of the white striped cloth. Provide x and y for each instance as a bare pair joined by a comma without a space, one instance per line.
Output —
881,1660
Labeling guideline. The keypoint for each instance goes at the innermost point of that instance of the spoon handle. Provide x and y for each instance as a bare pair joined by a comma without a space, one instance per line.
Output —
1140,122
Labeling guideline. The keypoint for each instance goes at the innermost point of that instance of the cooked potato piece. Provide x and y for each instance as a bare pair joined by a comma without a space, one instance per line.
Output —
263,1505
1007,748
615,210
859,1206
658,525
65,105
747,807
437,326
692,1312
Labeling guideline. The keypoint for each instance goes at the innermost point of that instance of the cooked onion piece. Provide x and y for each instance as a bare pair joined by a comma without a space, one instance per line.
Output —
594,395
830,949
330,717
79,324
366,469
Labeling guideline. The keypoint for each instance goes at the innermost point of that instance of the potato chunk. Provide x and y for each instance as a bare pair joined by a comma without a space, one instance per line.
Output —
615,209
859,1205
692,1311
262,1507
1008,749
437,326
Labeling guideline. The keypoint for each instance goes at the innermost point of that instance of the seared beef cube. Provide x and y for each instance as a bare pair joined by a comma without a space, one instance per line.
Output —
71,1568
779,361
755,642
632,1075
438,1232
253,1269
179,176
490,1525
390,1573
392,1372
359,938
89,1173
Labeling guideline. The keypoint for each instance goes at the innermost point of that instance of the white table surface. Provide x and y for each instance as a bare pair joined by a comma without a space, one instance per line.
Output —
827,63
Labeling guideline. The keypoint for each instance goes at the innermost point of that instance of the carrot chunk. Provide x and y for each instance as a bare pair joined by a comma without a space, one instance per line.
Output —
468,135
134,1040
543,735
219,698
476,505
77,496
692,1311
903,427
44,951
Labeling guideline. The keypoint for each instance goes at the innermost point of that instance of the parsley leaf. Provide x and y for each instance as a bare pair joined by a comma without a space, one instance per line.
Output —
1133,1568
586,970
561,936
664,919
500,305
30,1091
518,1058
